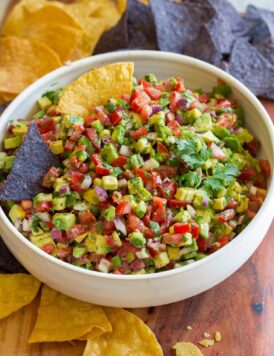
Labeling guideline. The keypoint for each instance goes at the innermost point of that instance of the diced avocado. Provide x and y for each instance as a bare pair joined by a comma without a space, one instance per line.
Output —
243,204
158,118
86,142
72,120
220,203
135,185
130,257
163,132
161,260
11,143
56,147
137,239
72,199
8,164
234,189
109,213
3,156
186,240
203,123
16,212
182,216
137,120
233,143
199,256
221,132
63,221
40,197
140,209
118,134
173,253
42,239
81,237
109,153
98,126
192,115
189,255
151,163
136,161
59,203
238,160
209,137
185,194
244,136
109,183
116,238
239,112
44,103
97,182
207,214
150,77
81,155
131,199
204,226
143,146
116,261
200,198
102,247
39,115
104,133
90,242
91,196
222,193
63,131
222,91
145,195
78,251
20,130
155,227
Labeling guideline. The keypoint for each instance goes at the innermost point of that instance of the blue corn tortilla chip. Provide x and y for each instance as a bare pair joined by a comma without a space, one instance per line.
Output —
220,31
141,26
178,24
259,23
266,48
249,66
203,47
32,161
116,38
8,263
3,107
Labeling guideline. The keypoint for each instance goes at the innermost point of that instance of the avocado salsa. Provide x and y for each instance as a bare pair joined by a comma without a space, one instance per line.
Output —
148,183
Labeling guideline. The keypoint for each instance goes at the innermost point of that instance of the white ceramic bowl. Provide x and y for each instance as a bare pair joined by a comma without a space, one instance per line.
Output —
164,287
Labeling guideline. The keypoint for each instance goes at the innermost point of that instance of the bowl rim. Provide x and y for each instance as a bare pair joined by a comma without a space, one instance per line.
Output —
149,55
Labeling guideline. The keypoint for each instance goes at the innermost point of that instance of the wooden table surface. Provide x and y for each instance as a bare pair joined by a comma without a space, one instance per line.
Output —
241,308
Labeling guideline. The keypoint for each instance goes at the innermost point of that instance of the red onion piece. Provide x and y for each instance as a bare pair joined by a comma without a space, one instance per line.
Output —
183,103
64,190
56,234
102,194
137,264
120,225
179,119
98,109
205,201
156,109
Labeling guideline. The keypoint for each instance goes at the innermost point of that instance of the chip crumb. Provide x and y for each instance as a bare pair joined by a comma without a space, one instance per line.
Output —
189,327
206,343
187,349
218,336
206,334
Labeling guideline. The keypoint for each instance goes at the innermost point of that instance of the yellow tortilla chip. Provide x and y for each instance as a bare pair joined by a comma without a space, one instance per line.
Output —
61,318
122,5
95,88
15,23
60,38
24,60
7,97
187,349
130,336
16,291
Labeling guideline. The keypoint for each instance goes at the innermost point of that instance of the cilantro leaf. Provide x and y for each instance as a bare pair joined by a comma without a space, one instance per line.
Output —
192,154
190,179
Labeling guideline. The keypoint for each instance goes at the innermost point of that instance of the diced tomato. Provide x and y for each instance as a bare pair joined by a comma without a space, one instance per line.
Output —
116,117
49,136
156,179
217,152
149,234
108,227
265,167
158,202
154,93
168,189
145,112
226,215
147,216
224,103
145,84
181,228
52,111
75,162
84,167
123,208
96,159
180,86
248,174
232,204
253,146
143,174
48,248
134,223
250,214
159,214
162,148
110,241
69,145
50,177
260,182
223,240
170,116
125,97
125,249
45,124
119,162
174,99
174,125
226,120
203,98
76,177
103,118
44,206
142,131
102,171
86,217
202,244
64,252
254,206
174,203
89,120
167,171
92,135
139,100
26,205
75,231
195,231
174,239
